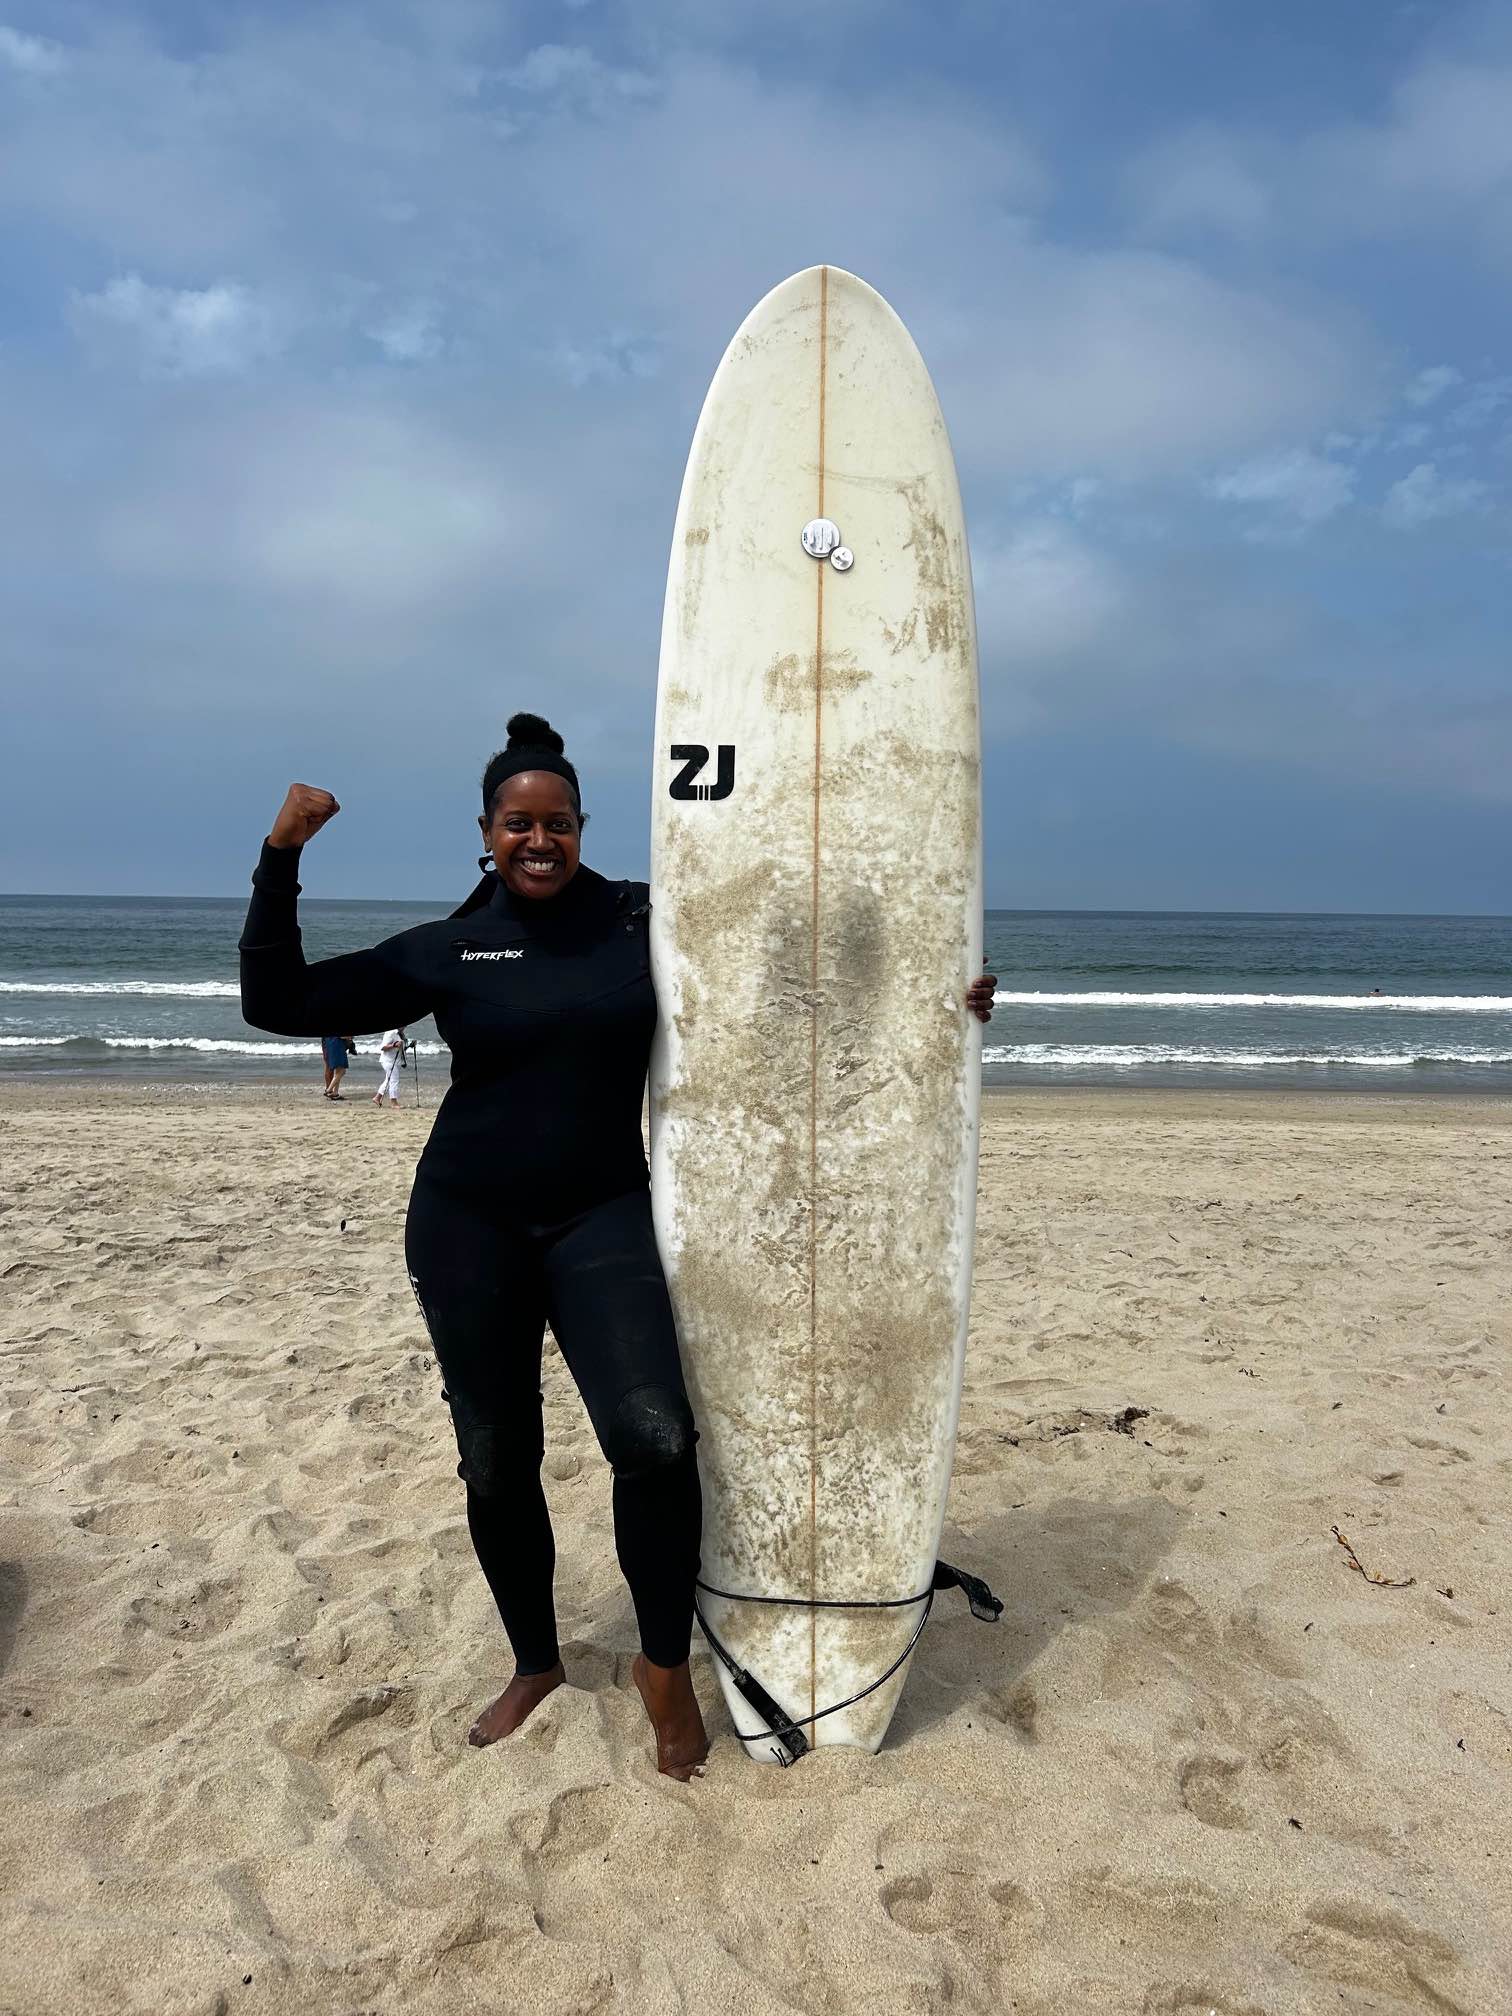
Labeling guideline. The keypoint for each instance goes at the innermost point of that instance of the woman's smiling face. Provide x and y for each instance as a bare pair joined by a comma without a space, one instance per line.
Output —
534,834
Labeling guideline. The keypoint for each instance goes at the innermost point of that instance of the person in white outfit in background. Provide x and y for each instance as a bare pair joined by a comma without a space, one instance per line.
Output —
390,1051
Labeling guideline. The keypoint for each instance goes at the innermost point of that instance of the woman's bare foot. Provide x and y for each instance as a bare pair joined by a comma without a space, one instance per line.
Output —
523,1694
667,1691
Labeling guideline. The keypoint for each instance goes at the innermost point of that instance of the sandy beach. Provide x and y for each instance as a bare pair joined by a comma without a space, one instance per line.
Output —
1202,1765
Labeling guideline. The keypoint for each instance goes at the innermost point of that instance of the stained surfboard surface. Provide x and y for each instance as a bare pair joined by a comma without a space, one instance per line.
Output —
816,919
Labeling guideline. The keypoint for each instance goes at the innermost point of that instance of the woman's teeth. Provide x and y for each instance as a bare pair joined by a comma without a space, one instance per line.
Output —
539,867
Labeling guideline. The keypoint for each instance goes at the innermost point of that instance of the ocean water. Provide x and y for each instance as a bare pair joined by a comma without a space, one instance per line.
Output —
146,987
1188,998
138,987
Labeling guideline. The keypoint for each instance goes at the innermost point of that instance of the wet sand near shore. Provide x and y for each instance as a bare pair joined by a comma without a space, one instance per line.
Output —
1206,1762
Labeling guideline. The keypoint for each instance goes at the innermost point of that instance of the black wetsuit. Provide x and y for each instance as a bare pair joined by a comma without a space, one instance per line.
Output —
530,1205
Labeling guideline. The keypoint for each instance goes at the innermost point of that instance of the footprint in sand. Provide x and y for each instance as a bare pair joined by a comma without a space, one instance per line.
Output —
1380,1950
576,1822
565,1845
1210,1790
1016,1705
1177,1615
1189,1998
1297,1734
395,1702
191,1610
968,1908
1249,1635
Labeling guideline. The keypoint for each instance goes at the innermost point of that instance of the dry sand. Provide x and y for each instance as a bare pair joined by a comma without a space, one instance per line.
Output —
1201,1765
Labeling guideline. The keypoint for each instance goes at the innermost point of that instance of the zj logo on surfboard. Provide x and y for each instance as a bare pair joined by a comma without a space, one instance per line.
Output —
693,756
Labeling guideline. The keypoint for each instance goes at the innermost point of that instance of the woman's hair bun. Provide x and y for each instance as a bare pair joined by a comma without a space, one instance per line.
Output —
529,731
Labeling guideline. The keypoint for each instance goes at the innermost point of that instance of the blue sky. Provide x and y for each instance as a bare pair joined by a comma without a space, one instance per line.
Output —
349,357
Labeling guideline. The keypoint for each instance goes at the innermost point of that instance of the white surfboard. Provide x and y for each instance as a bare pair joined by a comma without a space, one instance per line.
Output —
816,920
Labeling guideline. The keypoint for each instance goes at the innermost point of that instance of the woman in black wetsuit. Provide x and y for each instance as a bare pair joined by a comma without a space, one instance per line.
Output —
531,1201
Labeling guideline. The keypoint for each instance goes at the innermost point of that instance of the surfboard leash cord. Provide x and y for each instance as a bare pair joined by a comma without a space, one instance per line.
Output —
787,1730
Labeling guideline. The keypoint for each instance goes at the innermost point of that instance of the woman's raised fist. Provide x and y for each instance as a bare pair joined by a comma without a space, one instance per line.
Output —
303,812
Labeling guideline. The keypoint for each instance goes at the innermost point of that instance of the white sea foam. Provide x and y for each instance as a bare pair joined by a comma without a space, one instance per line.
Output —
310,1047
164,990
1422,1004
1133,1056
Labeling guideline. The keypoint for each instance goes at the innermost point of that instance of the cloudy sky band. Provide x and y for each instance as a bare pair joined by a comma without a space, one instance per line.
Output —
351,357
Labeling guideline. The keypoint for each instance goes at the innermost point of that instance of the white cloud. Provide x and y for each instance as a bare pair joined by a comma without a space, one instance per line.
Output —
1197,180
1207,648
619,355
1138,365
672,248
1297,484
553,70
1043,593
32,55
312,152
1437,162
1482,405
1431,385
1449,134
1423,495
362,507
184,332
1080,494
408,335
1438,158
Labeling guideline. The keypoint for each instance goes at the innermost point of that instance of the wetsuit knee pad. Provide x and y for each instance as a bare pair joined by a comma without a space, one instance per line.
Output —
493,1459
651,1429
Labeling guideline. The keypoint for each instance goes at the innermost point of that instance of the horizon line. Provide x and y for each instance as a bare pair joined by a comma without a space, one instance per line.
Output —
988,909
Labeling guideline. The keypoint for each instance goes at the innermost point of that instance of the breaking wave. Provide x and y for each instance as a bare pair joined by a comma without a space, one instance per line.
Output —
84,1045
1132,1056
1421,1004
162,990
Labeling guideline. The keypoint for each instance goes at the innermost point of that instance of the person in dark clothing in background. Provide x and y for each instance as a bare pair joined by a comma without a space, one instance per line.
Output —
336,1052
531,1201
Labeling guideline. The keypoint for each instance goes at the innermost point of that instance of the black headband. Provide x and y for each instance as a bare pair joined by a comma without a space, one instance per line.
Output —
514,761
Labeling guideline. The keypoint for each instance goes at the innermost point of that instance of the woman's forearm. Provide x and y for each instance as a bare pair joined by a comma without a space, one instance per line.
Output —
284,994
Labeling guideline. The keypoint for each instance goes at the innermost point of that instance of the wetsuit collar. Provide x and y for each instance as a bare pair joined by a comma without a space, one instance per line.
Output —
526,910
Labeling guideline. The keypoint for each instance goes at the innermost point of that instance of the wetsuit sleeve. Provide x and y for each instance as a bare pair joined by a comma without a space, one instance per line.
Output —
281,993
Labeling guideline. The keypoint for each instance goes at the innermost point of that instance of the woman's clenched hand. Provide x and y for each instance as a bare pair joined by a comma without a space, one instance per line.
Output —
303,812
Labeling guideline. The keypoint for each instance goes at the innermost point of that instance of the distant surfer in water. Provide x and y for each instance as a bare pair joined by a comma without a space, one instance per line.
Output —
531,1201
